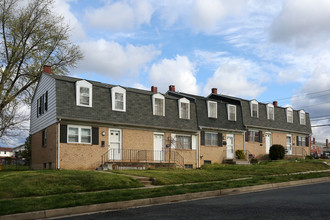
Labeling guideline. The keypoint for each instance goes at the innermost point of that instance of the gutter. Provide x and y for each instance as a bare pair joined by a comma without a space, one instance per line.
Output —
277,129
58,144
125,124
221,129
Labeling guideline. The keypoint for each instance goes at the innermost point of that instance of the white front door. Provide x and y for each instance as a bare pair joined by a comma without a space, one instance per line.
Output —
289,144
115,151
268,141
159,147
230,146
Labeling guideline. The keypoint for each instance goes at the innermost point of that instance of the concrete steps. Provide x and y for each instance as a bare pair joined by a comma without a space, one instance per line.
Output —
236,161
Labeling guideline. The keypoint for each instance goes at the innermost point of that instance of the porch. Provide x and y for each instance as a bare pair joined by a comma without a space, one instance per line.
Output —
295,152
140,159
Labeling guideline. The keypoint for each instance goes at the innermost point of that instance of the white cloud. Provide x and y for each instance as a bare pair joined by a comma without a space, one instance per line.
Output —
302,22
62,7
112,59
179,72
200,15
237,77
316,101
121,16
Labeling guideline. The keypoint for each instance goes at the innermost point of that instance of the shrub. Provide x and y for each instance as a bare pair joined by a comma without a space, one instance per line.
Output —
254,161
308,157
240,154
276,152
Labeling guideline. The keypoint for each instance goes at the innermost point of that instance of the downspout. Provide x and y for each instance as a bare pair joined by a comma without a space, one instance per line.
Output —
244,141
199,149
58,144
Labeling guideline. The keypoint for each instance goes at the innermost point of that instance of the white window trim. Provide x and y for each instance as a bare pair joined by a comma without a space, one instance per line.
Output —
186,101
268,115
115,90
302,112
84,83
79,134
289,109
254,102
157,96
208,109
228,106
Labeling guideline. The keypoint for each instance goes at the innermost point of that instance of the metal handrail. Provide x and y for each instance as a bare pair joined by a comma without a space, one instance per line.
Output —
133,155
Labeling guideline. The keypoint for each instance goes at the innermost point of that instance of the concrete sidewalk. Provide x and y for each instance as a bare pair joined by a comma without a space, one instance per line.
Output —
112,206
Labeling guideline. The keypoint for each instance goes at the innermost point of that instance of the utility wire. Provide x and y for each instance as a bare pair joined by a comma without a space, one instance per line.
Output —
320,116
319,119
303,94
311,105
320,125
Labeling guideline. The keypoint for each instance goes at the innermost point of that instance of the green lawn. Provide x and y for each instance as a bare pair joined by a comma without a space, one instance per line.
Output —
23,191
15,184
219,172
73,199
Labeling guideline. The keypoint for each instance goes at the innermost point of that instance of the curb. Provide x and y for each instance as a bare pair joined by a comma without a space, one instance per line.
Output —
113,206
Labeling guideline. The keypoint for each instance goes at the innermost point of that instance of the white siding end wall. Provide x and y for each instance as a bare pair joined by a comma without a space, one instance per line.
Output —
45,84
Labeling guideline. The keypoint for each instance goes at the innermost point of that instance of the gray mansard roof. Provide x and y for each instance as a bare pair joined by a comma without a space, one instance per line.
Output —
221,122
139,110
138,107
280,121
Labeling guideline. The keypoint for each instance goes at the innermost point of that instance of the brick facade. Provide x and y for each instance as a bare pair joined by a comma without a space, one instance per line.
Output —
44,157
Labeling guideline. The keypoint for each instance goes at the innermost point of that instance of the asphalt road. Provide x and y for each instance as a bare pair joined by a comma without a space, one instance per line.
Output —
303,202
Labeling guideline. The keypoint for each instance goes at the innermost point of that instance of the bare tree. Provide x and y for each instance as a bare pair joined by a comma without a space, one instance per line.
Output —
31,36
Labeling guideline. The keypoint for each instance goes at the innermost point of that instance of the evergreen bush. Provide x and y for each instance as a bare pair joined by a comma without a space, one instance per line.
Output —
276,152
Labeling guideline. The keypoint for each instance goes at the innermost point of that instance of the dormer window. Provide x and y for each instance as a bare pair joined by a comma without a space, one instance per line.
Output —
158,103
118,99
254,109
231,109
184,108
212,109
302,117
270,112
84,93
289,115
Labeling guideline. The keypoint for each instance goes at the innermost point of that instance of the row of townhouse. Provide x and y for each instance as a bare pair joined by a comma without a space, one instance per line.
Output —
82,124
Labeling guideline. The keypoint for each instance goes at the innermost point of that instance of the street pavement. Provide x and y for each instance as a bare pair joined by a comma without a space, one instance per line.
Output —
302,202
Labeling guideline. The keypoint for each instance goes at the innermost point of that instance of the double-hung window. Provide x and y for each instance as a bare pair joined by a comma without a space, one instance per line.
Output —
183,142
118,97
289,115
254,136
184,108
211,139
212,109
302,117
84,93
231,109
79,134
254,109
270,112
158,102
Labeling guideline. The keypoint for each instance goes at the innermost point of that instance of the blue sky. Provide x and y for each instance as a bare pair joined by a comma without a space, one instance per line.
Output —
263,49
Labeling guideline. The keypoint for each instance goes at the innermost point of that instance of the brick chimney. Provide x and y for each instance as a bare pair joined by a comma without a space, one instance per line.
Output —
154,89
172,88
313,140
326,143
275,103
214,90
47,69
